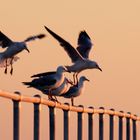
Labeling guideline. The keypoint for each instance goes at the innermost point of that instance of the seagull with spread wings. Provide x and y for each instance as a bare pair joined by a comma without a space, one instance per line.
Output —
80,55
8,57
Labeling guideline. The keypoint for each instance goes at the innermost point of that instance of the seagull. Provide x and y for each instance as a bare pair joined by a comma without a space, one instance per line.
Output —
80,55
9,55
48,81
63,88
75,90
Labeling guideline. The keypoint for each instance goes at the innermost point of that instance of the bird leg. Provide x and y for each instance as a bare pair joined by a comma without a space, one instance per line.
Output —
11,63
74,79
56,99
70,82
53,99
72,101
49,95
5,67
76,76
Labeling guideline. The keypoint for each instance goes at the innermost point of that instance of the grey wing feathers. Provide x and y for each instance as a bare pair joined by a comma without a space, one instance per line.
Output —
84,44
72,52
4,40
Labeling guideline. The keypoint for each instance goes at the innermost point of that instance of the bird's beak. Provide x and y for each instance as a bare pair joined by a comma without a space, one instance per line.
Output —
67,70
87,80
27,50
99,68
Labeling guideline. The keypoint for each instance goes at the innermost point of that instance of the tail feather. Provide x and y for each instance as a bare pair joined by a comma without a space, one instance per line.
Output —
29,84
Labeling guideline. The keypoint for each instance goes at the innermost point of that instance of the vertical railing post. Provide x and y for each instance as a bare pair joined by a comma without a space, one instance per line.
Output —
90,125
37,119
134,129
101,125
111,126
128,128
121,126
16,119
80,124
52,122
66,123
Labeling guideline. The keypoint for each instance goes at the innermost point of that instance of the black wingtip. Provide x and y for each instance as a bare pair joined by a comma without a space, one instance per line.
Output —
27,83
83,33
50,31
33,76
41,36
47,28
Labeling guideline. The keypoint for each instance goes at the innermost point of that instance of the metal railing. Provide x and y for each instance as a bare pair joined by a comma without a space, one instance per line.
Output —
130,119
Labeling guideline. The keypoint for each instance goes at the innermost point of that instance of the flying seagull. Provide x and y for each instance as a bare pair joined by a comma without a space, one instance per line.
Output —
75,90
80,55
48,81
12,49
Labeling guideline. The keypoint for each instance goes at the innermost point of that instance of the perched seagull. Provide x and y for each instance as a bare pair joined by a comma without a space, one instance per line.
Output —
63,88
75,90
9,55
48,81
80,55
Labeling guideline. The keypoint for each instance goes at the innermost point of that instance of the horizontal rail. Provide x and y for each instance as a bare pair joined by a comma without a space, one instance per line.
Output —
22,98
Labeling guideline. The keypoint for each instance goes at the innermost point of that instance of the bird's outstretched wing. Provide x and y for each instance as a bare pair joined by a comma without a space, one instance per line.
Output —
4,40
84,44
40,36
71,51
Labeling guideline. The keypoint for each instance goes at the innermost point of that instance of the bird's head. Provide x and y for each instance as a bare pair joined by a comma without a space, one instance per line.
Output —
83,78
98,67
21,46
62,69
25,47
93,64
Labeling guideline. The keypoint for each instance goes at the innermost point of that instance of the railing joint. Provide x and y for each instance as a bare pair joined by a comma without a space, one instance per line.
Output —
81,106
